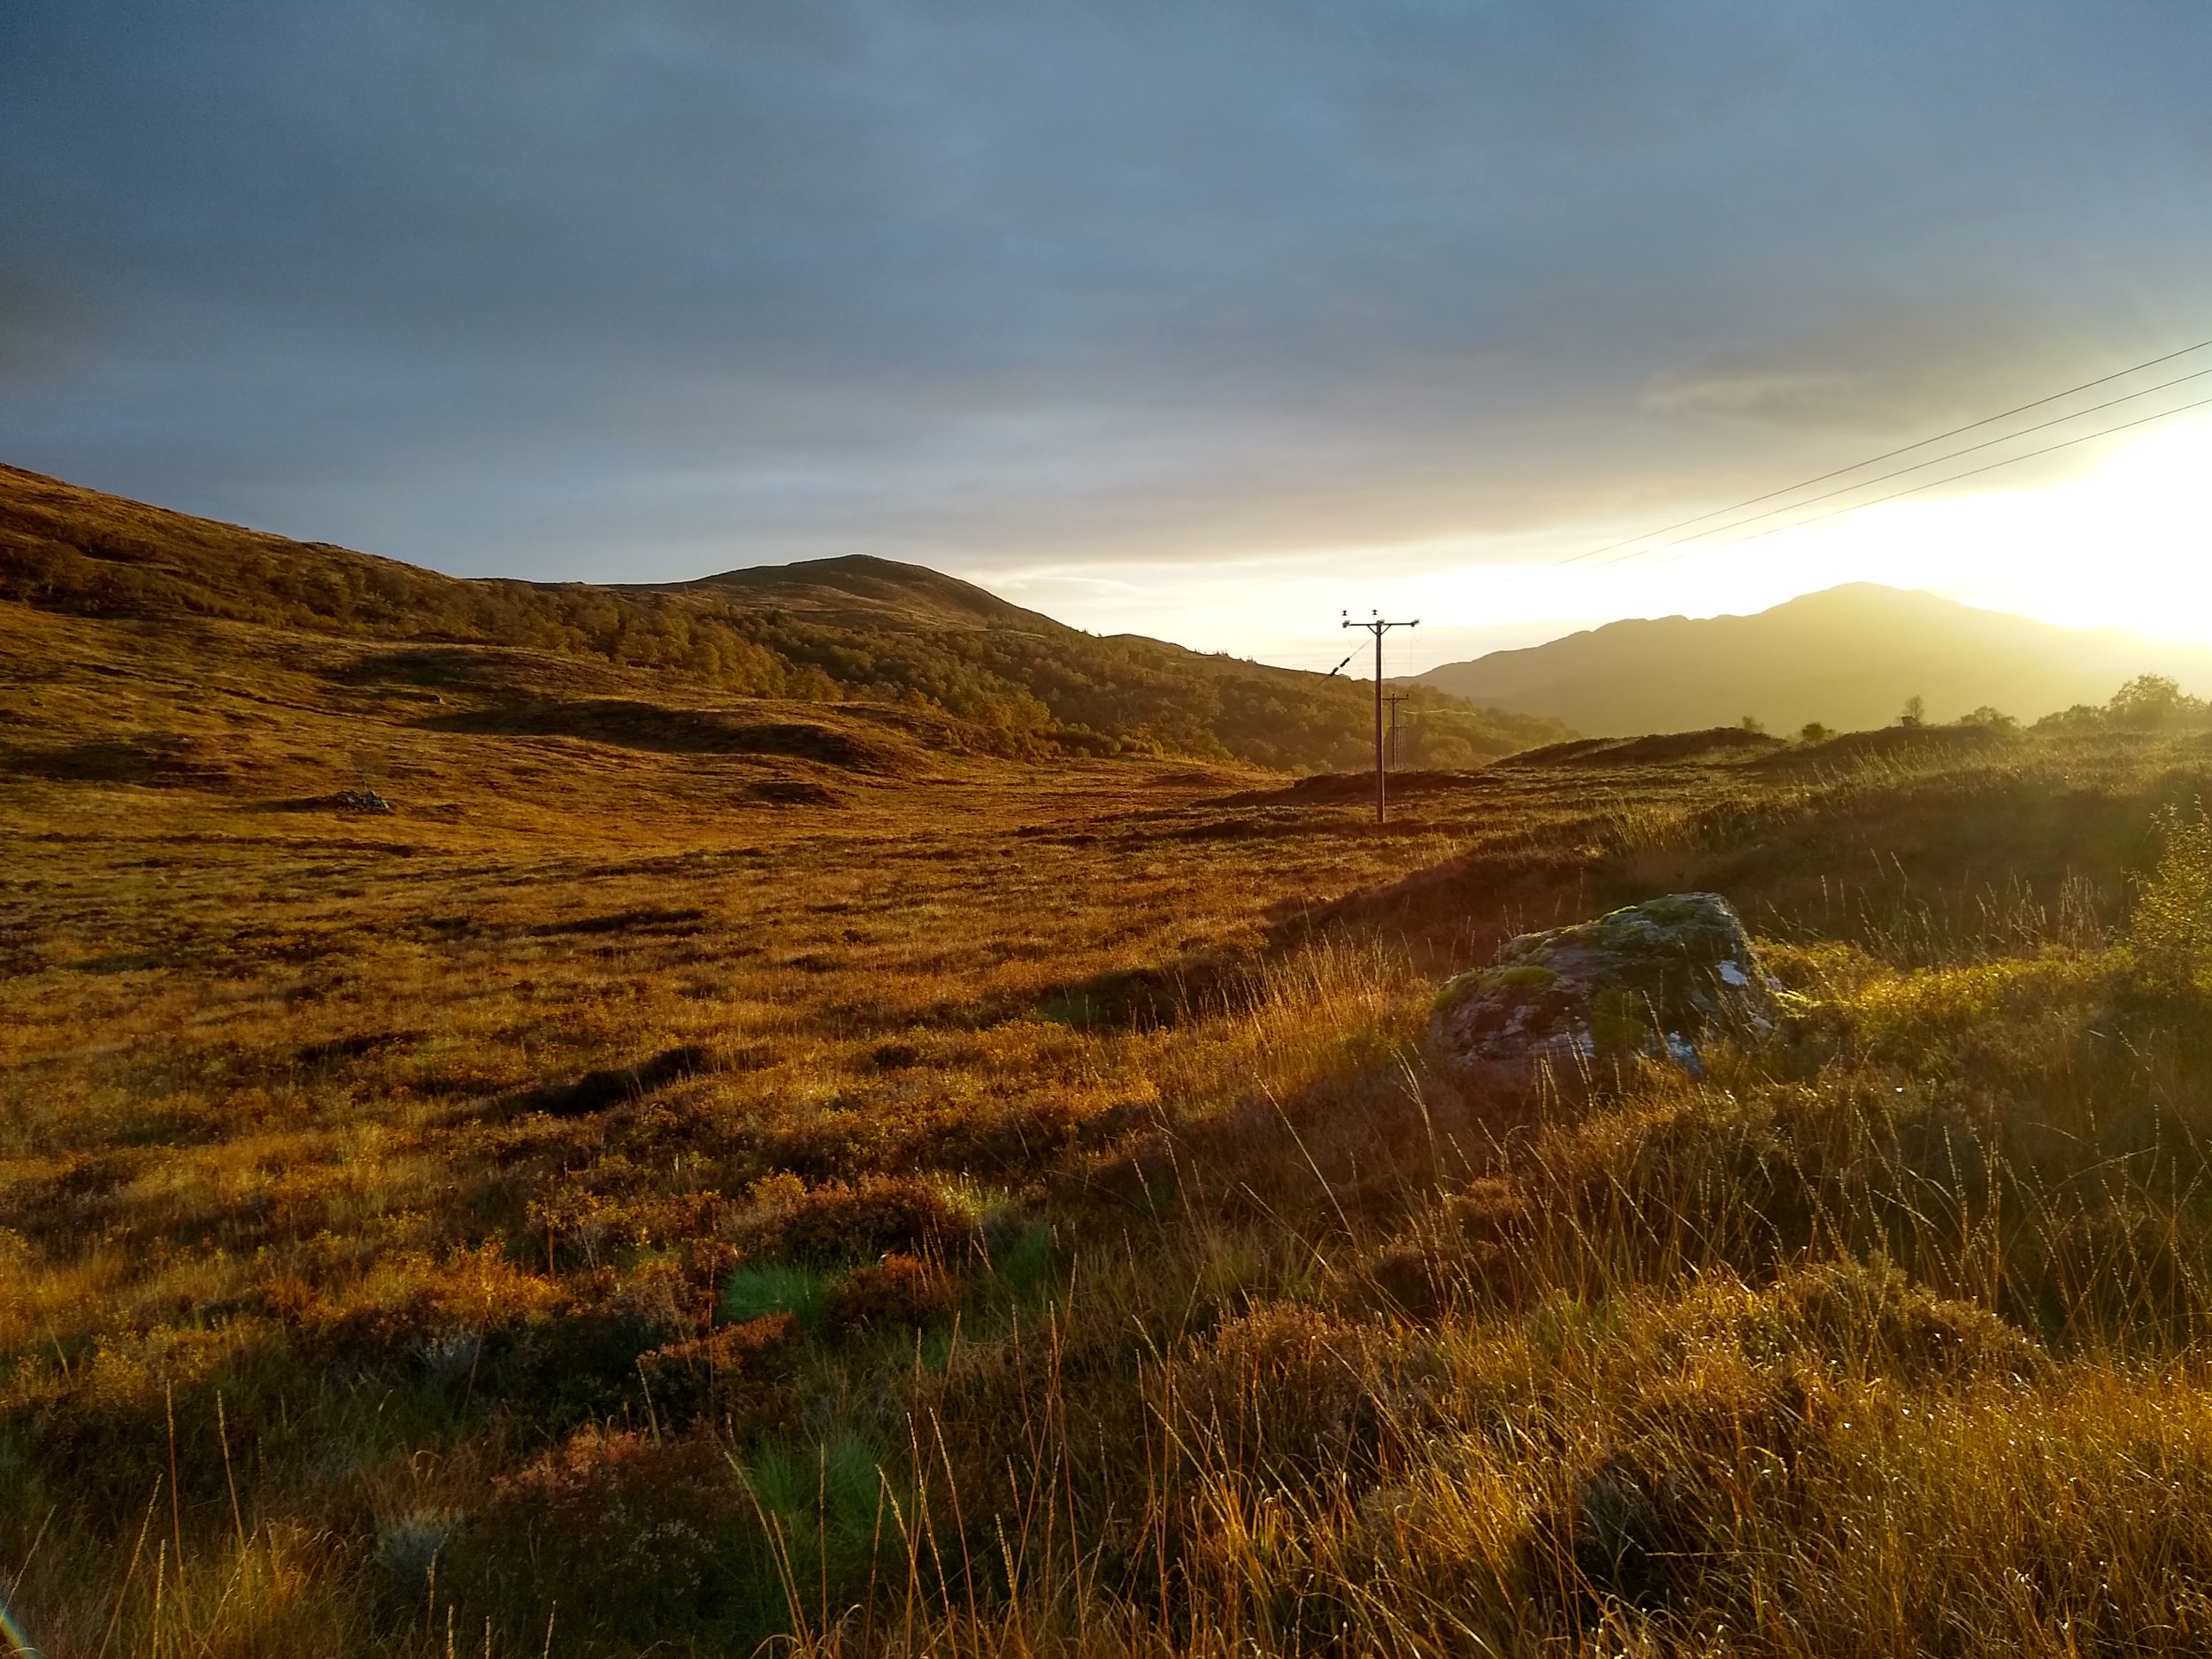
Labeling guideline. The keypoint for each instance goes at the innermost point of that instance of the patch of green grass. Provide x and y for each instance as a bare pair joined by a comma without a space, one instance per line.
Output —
756,1290
843,1470
1022,1271
831,1503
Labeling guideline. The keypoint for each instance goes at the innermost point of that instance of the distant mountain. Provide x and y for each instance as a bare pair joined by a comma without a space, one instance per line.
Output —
858,631
1848,657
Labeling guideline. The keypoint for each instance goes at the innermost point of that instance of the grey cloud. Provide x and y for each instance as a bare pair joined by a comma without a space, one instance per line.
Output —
550,288
1892,368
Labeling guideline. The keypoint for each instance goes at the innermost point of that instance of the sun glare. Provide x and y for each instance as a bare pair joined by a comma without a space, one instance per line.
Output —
2121,544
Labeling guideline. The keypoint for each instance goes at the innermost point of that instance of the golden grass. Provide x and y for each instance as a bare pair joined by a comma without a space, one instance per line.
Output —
960,1206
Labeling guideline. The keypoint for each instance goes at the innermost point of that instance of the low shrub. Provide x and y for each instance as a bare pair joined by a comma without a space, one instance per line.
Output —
872,1217
728,1370
627,1535
1285,1390
898,1290
2171,931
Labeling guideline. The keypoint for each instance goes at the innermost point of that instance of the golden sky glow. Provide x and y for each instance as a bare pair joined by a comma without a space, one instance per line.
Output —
2120,539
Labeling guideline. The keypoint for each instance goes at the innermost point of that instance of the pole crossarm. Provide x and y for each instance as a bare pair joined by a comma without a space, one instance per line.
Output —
1378,626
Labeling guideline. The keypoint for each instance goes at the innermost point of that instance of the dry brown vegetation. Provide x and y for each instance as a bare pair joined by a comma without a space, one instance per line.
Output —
890,636
706,1169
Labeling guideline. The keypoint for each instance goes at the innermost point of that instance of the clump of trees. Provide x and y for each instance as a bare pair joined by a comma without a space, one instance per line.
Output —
1995,719
2148,702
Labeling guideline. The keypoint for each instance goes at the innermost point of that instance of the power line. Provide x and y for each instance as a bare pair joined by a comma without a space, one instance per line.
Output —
1922,443
1920,467
1938,483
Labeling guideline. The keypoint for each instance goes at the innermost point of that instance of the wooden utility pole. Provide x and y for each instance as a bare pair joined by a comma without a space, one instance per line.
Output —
1393,698
1377,626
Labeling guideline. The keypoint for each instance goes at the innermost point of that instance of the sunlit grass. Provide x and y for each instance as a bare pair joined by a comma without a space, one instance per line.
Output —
1147,1291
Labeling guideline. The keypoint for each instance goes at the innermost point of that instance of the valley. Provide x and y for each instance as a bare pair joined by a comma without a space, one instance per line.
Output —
506,1150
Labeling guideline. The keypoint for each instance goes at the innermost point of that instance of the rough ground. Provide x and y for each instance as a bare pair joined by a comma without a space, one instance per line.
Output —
704,1167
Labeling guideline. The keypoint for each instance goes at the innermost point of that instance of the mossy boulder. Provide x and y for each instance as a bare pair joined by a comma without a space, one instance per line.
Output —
1660,979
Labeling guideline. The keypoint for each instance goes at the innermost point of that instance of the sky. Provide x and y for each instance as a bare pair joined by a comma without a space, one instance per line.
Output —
1207,319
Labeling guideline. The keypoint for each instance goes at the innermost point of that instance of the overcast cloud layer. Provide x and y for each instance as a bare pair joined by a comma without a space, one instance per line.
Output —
557,289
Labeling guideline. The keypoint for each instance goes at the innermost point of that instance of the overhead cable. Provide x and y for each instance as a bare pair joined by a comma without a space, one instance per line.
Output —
1921,466
1697,544
1873,460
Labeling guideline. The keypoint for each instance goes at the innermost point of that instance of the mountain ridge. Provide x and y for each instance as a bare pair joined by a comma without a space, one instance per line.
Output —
1847,657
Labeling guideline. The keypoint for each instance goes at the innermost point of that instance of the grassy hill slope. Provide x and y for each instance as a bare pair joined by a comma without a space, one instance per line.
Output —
709,1169
1848,659
854,630
1013,1212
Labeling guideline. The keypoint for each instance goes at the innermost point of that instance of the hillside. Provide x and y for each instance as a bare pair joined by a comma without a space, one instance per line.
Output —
829,631
1848,657
707,1171
685,1171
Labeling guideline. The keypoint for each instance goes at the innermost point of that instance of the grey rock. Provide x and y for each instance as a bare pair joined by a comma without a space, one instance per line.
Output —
361,801
1660,979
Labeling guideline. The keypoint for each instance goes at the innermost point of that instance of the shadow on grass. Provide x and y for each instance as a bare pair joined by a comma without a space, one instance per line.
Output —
596,1091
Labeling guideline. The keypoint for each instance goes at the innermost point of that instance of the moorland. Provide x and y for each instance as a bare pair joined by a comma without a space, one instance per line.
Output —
716,1165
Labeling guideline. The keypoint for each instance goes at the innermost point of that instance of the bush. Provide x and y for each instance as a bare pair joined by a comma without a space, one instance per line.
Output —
880,1215
2170,933
1287,1390
898,1290
628,1536
728,1370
